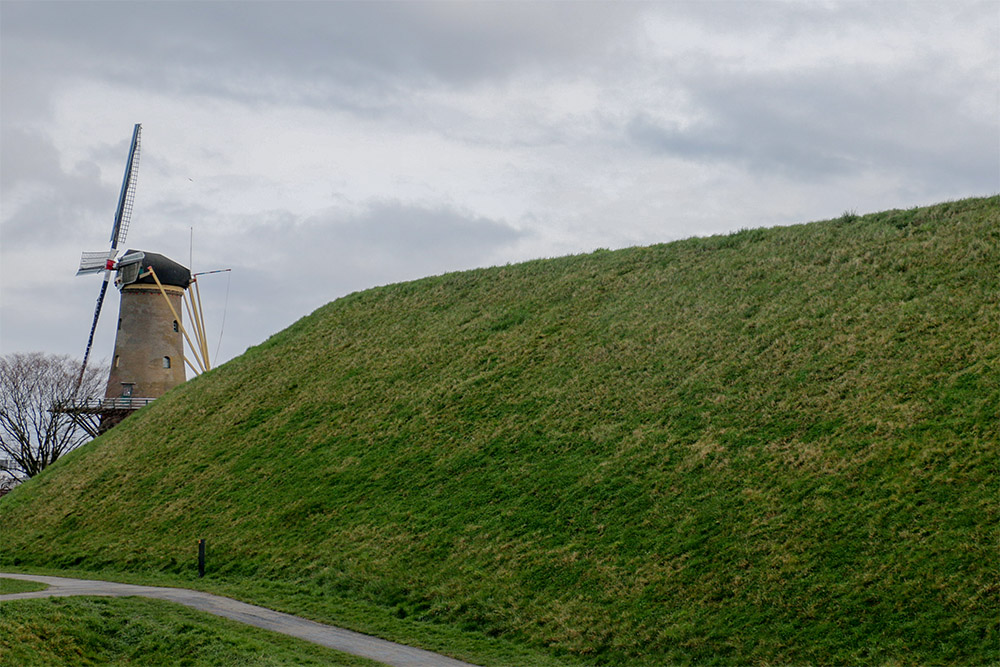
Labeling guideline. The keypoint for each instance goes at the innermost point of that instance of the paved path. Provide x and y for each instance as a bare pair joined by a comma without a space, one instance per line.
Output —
347,641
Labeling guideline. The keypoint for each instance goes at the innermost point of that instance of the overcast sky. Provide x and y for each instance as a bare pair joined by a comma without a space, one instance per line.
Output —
317,149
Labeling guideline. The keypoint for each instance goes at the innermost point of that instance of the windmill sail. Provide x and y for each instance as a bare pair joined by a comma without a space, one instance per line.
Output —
95,262
131,257
89,261
123,213
129,267
93,328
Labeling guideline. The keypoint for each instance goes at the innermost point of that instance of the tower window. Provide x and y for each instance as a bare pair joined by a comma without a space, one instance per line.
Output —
166,362
119,323
118,359
176,326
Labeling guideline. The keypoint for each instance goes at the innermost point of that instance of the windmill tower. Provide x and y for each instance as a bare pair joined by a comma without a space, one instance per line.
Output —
149,344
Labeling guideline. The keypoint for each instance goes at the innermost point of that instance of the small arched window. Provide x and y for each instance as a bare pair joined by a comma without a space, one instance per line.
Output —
166,362
118,359
176,326
119,323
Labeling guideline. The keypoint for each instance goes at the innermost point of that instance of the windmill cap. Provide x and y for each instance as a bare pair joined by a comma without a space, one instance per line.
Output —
167,270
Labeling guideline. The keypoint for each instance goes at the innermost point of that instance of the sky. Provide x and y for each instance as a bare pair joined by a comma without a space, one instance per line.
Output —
317,149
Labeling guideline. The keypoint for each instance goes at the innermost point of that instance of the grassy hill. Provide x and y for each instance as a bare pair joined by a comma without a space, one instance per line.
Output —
81,631
776,446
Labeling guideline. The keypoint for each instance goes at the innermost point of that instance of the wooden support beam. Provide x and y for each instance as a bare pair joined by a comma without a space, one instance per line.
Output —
176,316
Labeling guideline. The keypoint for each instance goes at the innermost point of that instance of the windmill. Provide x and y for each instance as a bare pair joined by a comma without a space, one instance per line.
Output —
149,344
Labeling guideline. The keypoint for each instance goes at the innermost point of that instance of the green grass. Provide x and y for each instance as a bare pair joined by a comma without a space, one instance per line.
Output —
139,631
774,446
8,585
299,598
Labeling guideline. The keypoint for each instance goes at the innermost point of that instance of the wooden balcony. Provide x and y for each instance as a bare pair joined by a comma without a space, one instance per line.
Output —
97,406
97,415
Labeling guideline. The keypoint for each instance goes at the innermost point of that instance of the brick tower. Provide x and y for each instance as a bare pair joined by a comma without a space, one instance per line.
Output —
149,345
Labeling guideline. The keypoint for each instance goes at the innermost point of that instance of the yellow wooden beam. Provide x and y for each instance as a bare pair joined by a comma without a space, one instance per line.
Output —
201,319
176,316
196,351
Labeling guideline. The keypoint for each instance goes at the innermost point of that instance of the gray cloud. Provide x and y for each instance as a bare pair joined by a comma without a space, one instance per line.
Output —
362,54
388,242
42,199
410,235
831,121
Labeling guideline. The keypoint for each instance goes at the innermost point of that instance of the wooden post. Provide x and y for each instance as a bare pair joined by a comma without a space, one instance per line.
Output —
201,558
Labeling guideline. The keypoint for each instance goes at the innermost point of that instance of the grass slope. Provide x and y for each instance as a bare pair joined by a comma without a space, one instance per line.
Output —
768,447
139,631
8,586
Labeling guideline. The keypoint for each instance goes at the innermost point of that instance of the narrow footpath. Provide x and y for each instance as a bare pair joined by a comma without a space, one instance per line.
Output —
346,641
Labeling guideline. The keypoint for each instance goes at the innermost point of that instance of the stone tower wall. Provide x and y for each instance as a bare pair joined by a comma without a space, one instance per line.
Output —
145,338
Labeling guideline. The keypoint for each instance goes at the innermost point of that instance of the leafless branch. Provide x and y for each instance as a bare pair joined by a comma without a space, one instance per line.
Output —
31,436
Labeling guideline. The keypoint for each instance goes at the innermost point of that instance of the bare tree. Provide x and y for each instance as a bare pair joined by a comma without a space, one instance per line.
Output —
32,436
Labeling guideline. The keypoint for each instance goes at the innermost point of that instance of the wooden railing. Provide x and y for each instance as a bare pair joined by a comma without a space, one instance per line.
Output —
97,405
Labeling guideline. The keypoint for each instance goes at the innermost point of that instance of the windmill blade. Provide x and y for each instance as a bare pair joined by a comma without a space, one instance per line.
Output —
95,262
93,328
124,211
131,258
129,267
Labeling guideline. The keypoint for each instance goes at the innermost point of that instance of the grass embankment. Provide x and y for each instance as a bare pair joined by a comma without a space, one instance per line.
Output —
8,586
777,446
131,631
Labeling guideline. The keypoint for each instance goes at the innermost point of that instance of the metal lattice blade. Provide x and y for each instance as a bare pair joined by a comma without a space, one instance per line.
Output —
123,213
94,262
93,328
